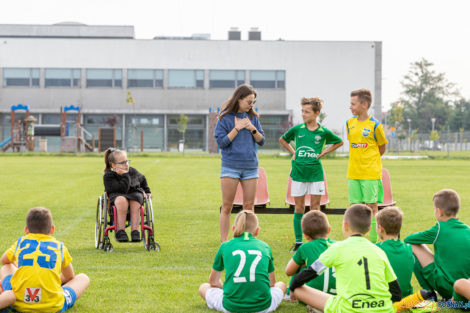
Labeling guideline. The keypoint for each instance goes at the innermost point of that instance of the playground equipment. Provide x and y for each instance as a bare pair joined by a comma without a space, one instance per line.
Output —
22,131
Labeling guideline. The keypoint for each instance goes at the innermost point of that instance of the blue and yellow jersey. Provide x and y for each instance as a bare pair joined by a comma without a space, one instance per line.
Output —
365,137
36,283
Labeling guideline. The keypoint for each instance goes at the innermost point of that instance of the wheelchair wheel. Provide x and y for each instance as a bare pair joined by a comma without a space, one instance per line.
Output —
148,239
100,224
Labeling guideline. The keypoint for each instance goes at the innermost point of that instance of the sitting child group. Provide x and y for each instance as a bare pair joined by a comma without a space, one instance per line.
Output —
353,275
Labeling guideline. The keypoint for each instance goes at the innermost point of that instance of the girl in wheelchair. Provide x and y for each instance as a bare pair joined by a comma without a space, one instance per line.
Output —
124,186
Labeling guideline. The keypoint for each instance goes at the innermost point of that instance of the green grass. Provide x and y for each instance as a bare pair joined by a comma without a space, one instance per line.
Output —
186,203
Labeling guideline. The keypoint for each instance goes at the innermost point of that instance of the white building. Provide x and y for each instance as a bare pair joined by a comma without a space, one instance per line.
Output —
48,66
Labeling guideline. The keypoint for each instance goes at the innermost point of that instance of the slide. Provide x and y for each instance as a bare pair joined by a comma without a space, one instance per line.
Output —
4,142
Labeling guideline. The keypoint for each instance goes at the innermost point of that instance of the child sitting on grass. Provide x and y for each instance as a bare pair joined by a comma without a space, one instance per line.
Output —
250,284
400,255
451,240
365,280
316,228
38,270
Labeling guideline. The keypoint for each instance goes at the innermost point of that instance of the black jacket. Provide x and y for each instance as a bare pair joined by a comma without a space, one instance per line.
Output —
126,183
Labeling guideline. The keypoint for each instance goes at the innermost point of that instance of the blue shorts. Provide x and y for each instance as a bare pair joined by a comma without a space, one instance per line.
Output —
239,173
69,294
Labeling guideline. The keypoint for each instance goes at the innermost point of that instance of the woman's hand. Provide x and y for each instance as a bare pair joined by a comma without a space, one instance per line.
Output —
241,123
249,125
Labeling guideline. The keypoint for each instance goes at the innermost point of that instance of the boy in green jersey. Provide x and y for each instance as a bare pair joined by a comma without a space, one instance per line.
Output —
316,229
250,284
400,255
307,172
365,280
451,240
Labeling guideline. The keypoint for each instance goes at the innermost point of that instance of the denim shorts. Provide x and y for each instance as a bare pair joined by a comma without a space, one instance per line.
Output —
239,173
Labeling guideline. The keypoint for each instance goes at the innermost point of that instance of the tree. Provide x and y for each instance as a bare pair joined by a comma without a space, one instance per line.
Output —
426,94
460,116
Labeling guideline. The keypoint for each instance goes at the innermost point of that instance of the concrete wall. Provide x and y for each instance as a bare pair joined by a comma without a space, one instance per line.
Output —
326,69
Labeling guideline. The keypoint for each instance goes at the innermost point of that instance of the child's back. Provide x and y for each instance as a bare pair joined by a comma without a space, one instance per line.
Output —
307,254
401,259
37,283
450,238
362,275
247,262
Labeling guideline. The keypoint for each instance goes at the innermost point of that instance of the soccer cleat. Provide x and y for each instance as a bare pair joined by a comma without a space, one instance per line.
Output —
295,247
410,301
426,306
311,309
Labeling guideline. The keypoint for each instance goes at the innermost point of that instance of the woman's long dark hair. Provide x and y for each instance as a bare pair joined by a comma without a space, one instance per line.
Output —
231,105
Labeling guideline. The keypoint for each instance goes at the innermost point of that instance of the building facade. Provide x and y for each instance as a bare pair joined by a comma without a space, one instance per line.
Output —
95,68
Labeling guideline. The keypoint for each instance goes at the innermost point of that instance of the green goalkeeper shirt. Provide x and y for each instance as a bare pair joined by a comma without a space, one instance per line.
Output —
308,145
247,262
401,258
451,240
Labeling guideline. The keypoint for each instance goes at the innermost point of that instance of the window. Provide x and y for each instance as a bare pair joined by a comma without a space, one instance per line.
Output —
62,77
226,78
103,78
24,77
145,78
268,79
186,78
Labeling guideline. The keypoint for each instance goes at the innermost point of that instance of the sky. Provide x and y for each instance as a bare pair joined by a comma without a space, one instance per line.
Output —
409,29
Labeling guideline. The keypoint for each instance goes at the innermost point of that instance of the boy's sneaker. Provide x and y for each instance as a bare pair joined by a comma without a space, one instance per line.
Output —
295,247
121,236
135,236
410,301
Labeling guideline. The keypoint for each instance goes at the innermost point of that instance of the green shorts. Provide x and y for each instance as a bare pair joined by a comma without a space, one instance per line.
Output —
365,191
438,280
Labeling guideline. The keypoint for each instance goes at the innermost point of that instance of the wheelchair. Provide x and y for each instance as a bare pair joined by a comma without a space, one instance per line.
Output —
106,222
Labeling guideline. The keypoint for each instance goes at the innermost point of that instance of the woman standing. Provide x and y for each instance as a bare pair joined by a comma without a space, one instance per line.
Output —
237,132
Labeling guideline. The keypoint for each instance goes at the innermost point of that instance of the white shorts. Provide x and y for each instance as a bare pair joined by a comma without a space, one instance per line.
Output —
214,298
299,188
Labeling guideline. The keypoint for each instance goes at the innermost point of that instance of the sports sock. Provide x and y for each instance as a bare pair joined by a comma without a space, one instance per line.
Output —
373,231
298,226
410,301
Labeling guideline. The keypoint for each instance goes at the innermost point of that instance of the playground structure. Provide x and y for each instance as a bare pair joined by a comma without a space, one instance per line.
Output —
23,132
262,197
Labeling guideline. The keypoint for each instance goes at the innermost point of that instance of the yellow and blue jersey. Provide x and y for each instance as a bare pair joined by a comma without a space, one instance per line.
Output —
36,283
365,137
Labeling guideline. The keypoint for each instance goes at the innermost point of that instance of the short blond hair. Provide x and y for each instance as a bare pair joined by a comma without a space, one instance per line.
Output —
315,102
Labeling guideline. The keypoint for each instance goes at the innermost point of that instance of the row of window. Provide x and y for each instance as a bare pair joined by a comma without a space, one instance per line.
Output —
142,78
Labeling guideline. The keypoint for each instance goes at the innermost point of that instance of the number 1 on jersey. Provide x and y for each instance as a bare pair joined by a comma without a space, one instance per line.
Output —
366,271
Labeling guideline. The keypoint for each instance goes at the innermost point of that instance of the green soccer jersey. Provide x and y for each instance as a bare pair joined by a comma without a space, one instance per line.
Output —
451,241
308,145
401,259
247,262
362,276
309,253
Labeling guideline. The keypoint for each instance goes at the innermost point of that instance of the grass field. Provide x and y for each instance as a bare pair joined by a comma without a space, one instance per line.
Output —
186,201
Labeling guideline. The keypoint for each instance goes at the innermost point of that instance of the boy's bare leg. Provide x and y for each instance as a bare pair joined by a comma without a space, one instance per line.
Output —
229,188
7,298
79,284
299,204
7,269
312,297
315,202
249,187
462,287
374,207
203,290
281,286
423,254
